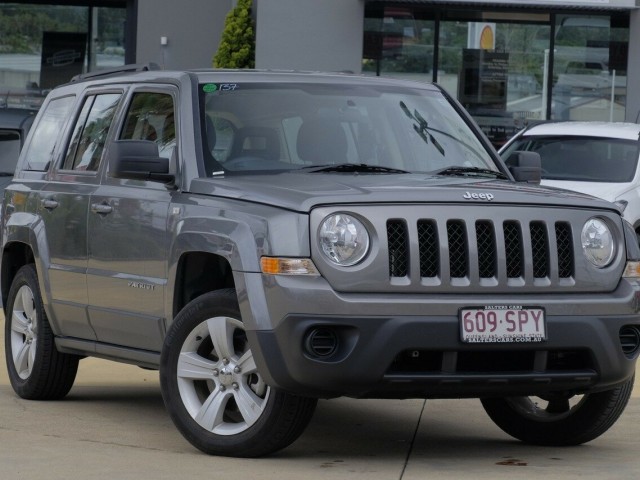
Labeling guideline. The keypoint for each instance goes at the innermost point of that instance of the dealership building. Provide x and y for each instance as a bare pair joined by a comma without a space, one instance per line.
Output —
508,62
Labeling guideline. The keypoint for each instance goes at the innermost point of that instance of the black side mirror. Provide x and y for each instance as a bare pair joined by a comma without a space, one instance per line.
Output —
138,160
525,166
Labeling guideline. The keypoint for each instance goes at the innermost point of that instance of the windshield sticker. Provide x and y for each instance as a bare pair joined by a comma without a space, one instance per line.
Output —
222,87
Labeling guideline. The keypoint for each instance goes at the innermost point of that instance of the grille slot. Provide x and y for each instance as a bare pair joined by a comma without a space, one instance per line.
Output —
513,249
485,238
429,249
565,250
458,251
539,248
397,239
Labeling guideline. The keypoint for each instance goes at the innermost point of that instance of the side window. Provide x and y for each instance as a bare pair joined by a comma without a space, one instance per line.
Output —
91,132
9,151
45,134
151,117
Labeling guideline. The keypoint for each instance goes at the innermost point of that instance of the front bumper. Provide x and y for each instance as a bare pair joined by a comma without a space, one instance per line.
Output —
397,346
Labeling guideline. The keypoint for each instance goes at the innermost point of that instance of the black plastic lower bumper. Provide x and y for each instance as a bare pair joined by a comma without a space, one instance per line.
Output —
411,356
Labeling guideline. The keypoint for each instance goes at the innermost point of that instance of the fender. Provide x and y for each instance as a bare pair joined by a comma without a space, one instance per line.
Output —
28,229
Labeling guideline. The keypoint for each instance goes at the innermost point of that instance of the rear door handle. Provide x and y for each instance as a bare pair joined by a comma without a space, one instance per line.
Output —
49,203
101,208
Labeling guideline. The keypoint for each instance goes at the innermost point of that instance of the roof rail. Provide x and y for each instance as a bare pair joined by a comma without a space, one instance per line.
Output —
136,67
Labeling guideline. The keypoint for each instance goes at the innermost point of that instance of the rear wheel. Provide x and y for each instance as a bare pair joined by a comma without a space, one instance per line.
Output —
212,388
559,420
37,371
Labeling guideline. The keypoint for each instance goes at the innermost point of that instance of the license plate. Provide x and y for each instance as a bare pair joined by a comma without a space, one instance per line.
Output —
502,324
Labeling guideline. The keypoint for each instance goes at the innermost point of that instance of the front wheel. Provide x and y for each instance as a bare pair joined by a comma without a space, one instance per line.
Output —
556,419
212,388
37,370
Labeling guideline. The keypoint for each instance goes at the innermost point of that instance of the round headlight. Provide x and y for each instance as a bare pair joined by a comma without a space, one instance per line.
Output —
597,242
343,239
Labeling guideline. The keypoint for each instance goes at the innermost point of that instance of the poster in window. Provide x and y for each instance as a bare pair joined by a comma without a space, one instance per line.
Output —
63,56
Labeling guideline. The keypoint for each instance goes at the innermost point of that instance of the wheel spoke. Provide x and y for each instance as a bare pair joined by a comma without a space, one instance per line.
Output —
558,405
194,367
31,358
19,322
27,303
247,363
211,413
249,404
221,330
21,359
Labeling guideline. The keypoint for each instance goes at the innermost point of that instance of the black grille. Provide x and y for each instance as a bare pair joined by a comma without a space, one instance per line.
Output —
458,256
398,248
513,248
525,244
486,249
429,249
565,250
540,251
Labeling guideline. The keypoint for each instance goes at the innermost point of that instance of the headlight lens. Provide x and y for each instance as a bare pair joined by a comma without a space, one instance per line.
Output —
597,242
343,239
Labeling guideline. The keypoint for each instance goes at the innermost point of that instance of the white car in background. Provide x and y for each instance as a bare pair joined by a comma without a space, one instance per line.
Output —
596,158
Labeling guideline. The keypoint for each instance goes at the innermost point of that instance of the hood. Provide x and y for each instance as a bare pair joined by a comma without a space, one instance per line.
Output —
301,192
604,190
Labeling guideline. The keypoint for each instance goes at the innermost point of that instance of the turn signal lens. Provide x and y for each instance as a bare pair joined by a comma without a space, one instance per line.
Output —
288,266
632,270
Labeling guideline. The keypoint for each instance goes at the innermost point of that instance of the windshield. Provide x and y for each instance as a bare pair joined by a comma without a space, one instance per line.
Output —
262,128
582,159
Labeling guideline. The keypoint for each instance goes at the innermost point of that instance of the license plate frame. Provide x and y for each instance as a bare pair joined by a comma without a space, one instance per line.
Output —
515,324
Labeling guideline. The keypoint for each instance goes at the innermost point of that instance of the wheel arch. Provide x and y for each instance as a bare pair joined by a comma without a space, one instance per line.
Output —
15,255
199,272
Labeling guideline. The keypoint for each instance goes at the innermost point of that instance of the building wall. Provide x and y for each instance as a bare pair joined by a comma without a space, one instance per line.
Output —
193,29
633,68
309,34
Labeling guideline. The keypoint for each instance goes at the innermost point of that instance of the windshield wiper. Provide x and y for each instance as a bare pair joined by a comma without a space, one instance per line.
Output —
351,168
469,172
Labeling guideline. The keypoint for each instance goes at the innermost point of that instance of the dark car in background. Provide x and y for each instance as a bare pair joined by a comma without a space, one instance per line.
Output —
14,126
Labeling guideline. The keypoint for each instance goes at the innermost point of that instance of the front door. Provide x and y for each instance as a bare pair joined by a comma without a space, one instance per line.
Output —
128,240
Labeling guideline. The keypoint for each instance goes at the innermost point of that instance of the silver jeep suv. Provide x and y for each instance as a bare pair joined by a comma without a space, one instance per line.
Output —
267,239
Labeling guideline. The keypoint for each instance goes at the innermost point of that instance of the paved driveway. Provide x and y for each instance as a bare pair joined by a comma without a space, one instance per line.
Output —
113,425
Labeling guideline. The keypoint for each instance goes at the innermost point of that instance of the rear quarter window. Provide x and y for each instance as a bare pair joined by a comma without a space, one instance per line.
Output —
46,133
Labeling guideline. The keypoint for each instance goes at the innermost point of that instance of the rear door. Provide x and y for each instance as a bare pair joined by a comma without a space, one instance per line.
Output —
63,205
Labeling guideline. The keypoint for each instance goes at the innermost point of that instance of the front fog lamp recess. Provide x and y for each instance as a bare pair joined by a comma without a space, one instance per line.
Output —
343,239
597,242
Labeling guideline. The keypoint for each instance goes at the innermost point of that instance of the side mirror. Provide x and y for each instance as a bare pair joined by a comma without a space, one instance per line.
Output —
138,160
525,166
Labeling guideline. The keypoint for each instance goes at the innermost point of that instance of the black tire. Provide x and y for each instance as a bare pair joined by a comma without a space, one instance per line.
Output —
37,371
553,421
221,404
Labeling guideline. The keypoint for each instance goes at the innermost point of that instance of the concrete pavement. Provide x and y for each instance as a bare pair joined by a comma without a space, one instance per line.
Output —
113,425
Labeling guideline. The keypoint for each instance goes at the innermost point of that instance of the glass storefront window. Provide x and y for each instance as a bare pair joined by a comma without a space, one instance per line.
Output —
590,63
399,42
495,69
508,68
93,38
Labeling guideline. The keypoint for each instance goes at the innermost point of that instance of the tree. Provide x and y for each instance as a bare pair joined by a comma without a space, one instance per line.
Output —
237,46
